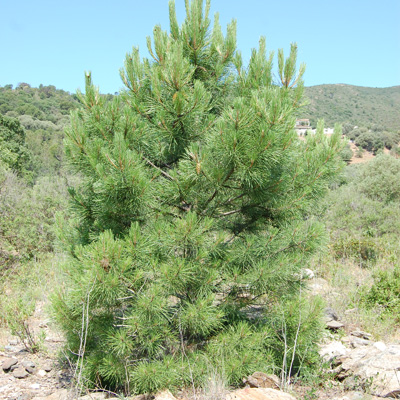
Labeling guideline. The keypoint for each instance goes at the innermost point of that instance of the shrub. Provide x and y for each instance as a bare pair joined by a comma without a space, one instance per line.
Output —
384,293
380,180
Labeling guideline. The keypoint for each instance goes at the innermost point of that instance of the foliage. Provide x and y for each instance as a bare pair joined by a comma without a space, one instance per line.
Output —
13,153
380,179
367,201
192,221
27,216
15,314
370,141
346,154
362,217
22,287
43,113
384,293
363,250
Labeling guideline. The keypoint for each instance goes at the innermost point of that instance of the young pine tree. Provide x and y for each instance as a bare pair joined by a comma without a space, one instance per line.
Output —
192,221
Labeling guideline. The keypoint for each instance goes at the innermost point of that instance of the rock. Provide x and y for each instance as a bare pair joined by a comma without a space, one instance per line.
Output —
334,325
24,396
395,394
165,395
262,380
94,396
332,350
374,368
306,273
380,346
15,366
61,394
35,386
20,373
30,370
353,395
357,342
42,373
10,349
8,363
47,367
28,364
258,394
330,314
361,334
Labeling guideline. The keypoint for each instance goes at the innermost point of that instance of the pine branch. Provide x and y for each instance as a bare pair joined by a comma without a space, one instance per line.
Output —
159,169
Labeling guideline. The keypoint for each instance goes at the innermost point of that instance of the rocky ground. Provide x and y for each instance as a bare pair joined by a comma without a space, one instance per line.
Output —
361,368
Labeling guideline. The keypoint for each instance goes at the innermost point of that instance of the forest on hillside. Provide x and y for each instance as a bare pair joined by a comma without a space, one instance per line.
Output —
354,105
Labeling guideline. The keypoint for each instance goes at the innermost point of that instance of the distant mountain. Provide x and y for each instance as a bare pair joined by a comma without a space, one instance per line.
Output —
362,106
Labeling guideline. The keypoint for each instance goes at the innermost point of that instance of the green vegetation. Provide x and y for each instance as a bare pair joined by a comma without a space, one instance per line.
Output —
193,220
354,106
14,154
43,113
362,218
193,209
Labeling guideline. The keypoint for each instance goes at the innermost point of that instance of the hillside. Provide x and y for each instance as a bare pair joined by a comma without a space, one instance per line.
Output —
43,113
362,106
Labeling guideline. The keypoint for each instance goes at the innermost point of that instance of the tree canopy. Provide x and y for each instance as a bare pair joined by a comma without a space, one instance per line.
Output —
193,219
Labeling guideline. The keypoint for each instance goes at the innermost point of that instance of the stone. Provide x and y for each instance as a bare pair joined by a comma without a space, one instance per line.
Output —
357,342
30,370
334,325
10,349
307,273
35,386
8,363
262,380
94,396
395,394
24,396
28,363
361,334
20,373
330,314
380,346
165,395
42,373
61,394
374,368
47,367
258,394
332,350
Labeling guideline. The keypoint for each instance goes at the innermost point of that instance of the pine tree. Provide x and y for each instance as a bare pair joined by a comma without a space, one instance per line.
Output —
193,218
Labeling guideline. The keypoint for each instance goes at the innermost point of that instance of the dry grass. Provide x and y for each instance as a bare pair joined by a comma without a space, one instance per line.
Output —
346,279
216,388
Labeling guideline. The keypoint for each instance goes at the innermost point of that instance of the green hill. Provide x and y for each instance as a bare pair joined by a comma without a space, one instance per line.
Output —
43,113
362,106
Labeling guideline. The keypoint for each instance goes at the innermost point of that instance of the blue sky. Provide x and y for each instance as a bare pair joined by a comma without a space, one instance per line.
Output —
53,42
